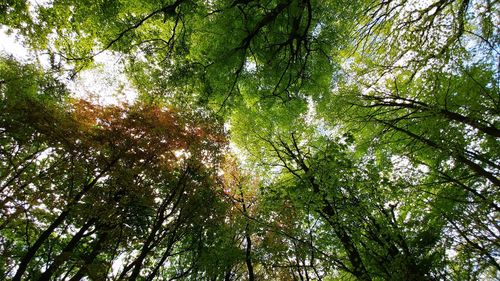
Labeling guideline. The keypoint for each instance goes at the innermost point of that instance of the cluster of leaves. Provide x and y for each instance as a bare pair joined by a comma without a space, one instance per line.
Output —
84,184
367,133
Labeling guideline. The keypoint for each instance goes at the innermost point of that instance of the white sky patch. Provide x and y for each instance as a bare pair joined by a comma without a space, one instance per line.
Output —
118,263
41,3
317,30
403,168
250,66
322,128
9,45
106,84
34,5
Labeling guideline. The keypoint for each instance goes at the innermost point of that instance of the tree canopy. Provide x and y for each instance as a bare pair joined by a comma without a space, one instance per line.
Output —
269,140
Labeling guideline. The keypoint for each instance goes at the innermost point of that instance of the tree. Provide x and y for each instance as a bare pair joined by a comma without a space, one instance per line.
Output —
106,169
366,136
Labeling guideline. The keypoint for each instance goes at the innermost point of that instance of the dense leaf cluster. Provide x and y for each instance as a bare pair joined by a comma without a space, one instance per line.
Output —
270,140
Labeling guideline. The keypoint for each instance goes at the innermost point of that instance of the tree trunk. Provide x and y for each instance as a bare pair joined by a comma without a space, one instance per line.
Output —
46,276
90,258
45,235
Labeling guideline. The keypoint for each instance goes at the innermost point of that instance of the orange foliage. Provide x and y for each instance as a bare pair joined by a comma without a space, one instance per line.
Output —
143,132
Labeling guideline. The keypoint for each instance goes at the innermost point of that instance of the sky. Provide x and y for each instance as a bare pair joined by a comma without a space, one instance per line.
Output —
99,85
10,46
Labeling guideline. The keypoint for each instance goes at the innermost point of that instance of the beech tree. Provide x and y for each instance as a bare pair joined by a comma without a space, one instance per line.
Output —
280,140
86,183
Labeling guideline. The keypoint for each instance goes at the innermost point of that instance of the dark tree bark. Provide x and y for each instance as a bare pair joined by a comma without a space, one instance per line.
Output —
56,223
59,260
89,259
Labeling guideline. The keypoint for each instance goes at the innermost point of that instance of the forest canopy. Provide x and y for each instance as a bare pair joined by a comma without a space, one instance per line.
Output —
269,140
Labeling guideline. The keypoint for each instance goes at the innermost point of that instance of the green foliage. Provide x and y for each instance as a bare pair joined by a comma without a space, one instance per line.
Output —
271,140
